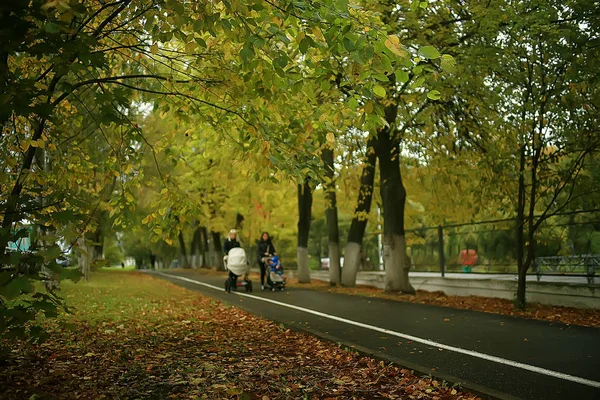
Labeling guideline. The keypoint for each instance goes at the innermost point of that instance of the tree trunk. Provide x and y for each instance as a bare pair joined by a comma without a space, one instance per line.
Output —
5,112
216,237
205,248
239,221
304,216
11,214
185,262
393,196
84,256
195,248
522,272
331,213
98,244
353,251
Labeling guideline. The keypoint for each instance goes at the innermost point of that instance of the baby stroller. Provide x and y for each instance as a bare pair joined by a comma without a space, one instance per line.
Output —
275,277
237,264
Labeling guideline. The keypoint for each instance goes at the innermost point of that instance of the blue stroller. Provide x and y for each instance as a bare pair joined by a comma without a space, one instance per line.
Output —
275,277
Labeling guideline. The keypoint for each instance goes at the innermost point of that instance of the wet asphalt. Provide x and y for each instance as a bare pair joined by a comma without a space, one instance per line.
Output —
566,350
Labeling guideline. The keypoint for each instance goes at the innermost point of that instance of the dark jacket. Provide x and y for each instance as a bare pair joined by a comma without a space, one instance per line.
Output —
265,247
230,244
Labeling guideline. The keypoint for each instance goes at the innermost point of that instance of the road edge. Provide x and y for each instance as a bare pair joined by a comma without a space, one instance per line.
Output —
480,390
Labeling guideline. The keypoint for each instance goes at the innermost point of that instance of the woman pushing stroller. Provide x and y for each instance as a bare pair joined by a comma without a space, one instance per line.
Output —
236,263
265,250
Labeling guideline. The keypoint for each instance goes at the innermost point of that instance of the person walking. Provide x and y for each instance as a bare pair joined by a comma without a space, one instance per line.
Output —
265,249
231,242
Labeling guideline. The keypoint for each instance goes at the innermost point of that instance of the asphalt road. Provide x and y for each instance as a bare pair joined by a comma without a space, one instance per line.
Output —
501,356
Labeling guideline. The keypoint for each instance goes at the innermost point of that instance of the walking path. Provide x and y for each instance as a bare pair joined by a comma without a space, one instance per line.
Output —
502,356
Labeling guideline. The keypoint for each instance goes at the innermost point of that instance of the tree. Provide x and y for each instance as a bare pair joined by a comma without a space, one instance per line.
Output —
96,69
304,219
543,92
335,271
353,251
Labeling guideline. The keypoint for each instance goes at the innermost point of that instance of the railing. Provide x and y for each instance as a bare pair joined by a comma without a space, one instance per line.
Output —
566,245
582,264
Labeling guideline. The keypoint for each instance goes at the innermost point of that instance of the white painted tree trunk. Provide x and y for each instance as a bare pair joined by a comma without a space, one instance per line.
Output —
397,264
352,260
84,257
334,263
303,271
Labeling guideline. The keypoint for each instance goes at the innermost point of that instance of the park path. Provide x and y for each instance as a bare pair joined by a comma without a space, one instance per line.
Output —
502,356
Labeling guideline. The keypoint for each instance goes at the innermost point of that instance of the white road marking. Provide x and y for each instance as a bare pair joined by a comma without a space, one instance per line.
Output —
472,353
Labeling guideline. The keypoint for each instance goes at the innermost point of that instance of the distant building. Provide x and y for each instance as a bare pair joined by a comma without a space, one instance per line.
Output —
23,243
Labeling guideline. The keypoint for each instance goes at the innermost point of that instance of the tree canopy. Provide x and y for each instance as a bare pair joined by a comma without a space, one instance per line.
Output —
149,124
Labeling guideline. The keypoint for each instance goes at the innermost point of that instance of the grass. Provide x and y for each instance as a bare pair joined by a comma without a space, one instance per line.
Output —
138,337
128,268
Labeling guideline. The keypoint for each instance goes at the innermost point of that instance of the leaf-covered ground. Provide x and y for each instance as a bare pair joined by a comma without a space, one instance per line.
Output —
137,337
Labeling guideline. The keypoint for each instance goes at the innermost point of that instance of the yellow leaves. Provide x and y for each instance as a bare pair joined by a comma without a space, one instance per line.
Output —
40,179
154,48
169,241
60,5
277,21
369,107
25,144
148,219
301,35
330,138
336,119
318,34
393,39
266,147
393,44
49,4
229,53
190,48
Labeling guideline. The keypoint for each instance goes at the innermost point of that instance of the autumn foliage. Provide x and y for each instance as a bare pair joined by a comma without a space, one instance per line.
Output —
134,336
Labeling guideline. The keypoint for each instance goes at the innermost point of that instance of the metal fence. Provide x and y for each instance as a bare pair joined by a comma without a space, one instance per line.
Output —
566,244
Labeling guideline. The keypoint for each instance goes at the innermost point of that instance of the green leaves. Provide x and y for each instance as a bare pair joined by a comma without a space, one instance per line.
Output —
448,63
379,90
429,52
247,52
402,76
13,287
52,27
434,95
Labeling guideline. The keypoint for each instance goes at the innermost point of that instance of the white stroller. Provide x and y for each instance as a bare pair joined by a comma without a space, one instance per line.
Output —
237,265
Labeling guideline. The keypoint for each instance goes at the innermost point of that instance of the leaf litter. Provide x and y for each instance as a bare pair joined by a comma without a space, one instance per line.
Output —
167,342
